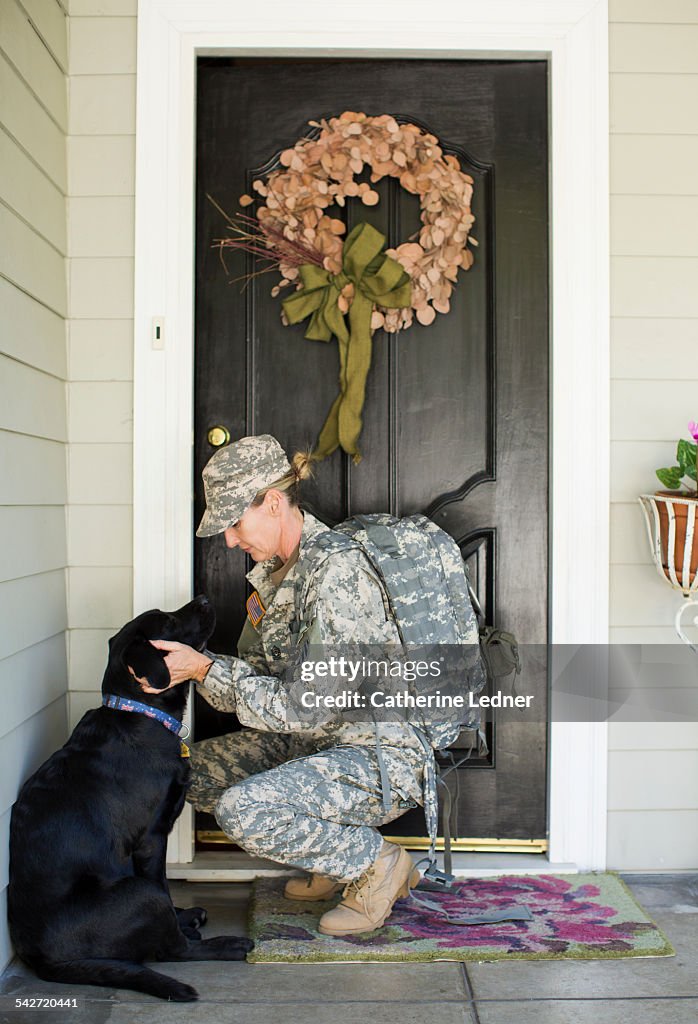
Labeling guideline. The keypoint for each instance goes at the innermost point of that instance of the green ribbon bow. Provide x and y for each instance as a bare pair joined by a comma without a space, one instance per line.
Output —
377,280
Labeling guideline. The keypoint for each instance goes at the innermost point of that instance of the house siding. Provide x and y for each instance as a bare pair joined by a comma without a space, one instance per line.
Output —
33,412
652,768
101,188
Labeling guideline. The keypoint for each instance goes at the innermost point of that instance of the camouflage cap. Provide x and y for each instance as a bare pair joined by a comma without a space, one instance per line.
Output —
234,475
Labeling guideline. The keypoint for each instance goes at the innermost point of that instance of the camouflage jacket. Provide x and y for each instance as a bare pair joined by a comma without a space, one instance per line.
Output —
344,604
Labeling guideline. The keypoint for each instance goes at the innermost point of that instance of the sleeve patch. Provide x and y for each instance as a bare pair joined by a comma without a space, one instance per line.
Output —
255,609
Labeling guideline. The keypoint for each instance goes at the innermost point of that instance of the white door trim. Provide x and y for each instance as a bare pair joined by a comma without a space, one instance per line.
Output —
573,36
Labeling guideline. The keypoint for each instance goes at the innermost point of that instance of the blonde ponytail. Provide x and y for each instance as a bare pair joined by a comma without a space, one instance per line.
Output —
301,469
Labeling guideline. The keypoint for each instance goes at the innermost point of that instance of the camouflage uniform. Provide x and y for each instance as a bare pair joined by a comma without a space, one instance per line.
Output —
301,794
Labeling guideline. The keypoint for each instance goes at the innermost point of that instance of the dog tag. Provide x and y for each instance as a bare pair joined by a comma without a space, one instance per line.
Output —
186,752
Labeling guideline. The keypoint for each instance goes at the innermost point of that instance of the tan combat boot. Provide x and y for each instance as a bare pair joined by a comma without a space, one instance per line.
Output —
311,887
368,900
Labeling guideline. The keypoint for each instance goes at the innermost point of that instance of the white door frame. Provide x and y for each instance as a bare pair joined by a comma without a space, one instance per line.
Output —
573,36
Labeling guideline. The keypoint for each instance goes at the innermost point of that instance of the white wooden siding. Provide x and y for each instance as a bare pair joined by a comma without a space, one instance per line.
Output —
652,768
24,118
101,175
32,333
33,417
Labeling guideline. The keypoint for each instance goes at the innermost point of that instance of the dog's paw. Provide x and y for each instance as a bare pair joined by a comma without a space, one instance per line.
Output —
181,993
227,947
192,917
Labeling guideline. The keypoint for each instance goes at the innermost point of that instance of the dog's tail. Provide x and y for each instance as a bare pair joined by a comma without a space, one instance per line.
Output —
117,974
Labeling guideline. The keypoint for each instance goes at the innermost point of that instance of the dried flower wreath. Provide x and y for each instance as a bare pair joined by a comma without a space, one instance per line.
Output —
376,287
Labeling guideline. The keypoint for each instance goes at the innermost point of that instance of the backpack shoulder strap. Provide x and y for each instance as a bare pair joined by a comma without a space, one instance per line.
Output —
315,553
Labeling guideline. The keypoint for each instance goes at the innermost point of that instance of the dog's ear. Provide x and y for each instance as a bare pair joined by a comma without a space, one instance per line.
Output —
147,662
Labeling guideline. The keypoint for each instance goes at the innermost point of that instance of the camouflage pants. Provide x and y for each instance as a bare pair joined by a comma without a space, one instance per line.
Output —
317,812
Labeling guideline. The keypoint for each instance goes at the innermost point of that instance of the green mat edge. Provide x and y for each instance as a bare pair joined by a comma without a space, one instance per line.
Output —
267,958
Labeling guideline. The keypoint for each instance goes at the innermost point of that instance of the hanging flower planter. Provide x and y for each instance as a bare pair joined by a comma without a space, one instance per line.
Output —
671,518
673,536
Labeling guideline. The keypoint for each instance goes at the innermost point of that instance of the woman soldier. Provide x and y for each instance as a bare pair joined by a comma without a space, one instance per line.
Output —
303,794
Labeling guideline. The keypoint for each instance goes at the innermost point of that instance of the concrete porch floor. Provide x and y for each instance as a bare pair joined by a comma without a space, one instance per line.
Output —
645,991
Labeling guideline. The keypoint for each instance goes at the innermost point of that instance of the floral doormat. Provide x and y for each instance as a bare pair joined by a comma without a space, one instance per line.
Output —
589,917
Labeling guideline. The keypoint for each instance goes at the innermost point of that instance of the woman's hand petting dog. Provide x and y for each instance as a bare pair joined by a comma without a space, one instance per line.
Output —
183,663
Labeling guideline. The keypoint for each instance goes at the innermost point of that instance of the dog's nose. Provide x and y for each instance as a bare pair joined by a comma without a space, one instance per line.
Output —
201,599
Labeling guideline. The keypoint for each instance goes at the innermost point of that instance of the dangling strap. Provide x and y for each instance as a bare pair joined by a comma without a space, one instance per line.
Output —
488,917
385,778
446,824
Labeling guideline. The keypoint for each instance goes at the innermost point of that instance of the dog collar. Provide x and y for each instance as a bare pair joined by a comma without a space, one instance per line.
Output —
110,700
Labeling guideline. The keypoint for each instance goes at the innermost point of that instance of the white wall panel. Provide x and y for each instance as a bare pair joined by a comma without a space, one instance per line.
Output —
101,226
101,411
31,262
654,104
101,165
31,680
31,402
652,780
101,472
649,49
87,657
33,479
653,840
30,194
644,635
5,947
640,411
654,736
81,701
654,225
33,540
99,598
103,105
34,63
4,849
100,350
636,344
633,465
24,118
100,535
51,23
32,470
639,597
641,11
101,288
102,46
106,8
32,609
31,332
636,169
28,746
629,544
650,286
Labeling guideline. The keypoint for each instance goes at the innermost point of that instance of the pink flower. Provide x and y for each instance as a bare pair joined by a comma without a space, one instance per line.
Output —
693,430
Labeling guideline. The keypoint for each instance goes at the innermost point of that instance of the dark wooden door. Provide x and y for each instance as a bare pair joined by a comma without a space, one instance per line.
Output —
456,415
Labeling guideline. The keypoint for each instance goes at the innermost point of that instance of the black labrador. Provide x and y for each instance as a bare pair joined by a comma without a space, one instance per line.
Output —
88,897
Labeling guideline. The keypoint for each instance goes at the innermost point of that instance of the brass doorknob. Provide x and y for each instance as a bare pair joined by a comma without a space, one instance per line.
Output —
218,436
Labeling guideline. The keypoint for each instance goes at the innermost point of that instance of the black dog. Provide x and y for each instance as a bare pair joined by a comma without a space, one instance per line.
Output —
88,897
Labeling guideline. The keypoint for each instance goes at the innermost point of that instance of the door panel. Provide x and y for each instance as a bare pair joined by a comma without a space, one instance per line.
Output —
456,413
